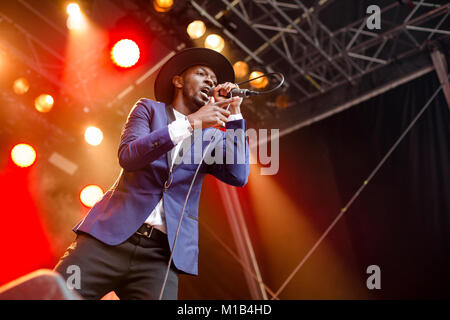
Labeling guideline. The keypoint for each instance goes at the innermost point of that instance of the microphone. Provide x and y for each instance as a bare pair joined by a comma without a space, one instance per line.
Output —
243,93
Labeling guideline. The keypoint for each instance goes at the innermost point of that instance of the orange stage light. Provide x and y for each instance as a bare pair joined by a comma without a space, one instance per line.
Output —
282,101
125,53
162,5
93,136
196,29
75,19
260,82
44,103
23,155
240,69
21,86
90,195
214,42
73,9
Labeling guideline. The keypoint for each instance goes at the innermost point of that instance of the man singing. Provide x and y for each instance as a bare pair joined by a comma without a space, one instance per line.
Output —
125,241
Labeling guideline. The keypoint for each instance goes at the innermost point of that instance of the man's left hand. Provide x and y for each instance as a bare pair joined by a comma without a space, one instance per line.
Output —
222,90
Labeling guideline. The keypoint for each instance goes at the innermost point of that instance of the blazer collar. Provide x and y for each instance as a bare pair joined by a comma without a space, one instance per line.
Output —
184,144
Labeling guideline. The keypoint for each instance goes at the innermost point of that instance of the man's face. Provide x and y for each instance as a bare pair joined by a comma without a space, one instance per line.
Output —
197,82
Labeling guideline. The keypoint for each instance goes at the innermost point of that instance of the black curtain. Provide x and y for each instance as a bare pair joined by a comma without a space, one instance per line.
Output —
401,221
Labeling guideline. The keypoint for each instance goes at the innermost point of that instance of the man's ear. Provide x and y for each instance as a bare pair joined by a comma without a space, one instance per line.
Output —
178,82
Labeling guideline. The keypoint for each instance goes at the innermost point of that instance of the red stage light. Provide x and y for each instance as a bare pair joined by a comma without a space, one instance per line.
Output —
20,206
125,53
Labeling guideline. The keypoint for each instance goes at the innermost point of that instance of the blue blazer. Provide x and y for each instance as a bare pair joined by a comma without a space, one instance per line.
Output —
144,157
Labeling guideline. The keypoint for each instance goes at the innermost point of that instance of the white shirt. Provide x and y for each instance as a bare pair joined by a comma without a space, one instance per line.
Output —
179,130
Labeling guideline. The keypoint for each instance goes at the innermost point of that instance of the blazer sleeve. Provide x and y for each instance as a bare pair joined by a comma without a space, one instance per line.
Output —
139,144
235,171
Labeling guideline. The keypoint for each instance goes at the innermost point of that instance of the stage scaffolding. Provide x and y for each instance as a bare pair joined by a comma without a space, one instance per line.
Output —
289,37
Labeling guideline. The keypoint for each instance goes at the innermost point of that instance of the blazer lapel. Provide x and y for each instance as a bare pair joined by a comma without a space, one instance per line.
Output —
184,151
170,118
186,144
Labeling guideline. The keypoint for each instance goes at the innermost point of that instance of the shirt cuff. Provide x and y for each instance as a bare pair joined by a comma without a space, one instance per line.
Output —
179,130
237,116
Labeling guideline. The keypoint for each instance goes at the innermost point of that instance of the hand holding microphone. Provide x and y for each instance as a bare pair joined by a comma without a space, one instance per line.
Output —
213,113
235,92
222,92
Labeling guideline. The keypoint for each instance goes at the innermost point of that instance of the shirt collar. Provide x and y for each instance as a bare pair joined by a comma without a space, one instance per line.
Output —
178,114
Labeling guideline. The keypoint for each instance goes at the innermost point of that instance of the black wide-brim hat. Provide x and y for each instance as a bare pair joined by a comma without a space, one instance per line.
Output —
185,59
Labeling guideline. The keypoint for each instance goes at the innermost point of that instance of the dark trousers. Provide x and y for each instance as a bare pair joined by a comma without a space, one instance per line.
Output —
134,269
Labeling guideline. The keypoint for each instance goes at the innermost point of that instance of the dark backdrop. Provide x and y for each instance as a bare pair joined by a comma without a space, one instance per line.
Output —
400,222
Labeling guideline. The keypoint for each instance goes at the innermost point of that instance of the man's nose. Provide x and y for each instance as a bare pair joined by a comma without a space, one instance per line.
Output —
210,82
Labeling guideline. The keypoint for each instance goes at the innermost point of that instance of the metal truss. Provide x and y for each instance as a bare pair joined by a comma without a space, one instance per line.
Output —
38,55
283,36
315,59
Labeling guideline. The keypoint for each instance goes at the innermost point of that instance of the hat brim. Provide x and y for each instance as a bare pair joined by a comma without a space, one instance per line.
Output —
187,58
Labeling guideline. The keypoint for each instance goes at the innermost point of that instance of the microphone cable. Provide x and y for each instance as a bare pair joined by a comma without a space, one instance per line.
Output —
195,176
265,75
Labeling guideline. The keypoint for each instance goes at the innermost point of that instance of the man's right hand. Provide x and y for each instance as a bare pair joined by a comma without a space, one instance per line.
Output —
211,114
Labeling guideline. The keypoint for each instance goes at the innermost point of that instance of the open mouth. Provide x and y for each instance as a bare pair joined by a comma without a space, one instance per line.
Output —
204,93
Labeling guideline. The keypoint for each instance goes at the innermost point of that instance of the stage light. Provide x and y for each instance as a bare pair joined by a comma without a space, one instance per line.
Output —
77,23
44,103
258,83
75,20
162,5
21,86
3,61
23,155
93,136
240,69
125,53
73,9
214,42
196,29
90,195
282,101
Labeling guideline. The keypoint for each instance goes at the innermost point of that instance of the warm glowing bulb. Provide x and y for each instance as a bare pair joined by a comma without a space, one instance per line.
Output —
282,101
240,69
2,58
73,9
125,53
258,83
75,20
44,103
162,5
90,195
214,42
93,136
76,23
196,29
23,155
21,86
